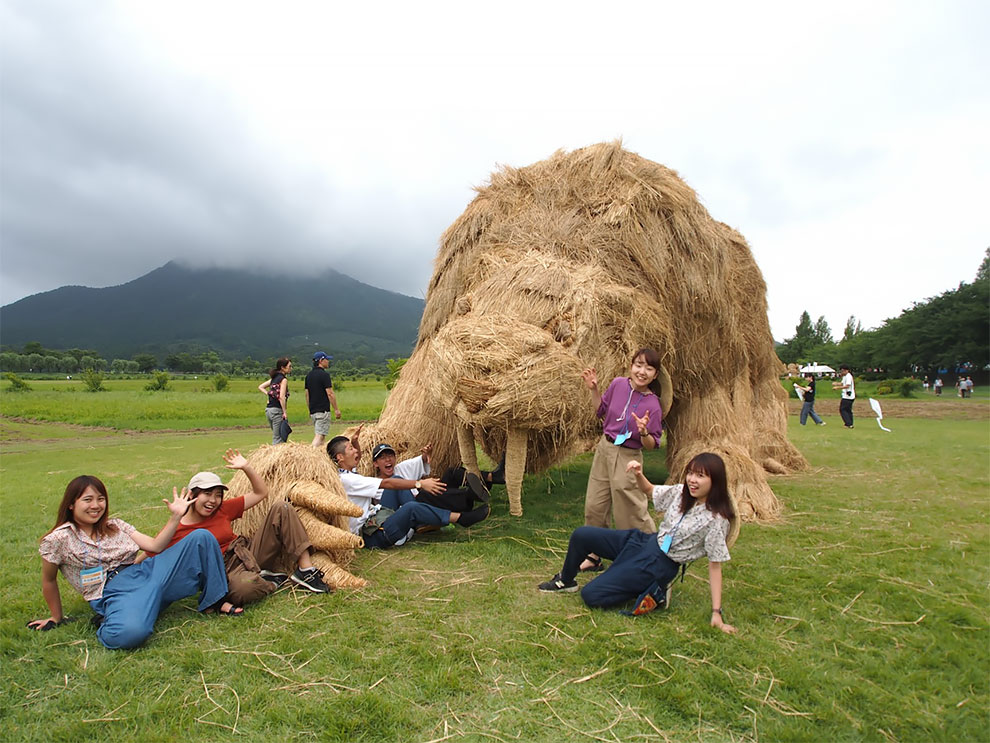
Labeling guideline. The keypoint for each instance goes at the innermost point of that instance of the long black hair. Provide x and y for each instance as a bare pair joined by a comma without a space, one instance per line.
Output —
718,500
76,487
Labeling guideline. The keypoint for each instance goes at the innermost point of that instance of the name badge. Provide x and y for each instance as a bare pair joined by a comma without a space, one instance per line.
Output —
665,544
90,577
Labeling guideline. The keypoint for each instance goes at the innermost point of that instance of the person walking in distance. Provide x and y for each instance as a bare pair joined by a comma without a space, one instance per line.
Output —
320,397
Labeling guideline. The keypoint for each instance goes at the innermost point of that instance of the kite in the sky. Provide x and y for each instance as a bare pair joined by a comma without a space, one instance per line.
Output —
876,409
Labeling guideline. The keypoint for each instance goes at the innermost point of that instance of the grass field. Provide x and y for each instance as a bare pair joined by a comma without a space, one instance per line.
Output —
862,613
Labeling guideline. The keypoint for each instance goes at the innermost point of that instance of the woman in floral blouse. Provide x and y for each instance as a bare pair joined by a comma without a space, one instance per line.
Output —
96,555
697,521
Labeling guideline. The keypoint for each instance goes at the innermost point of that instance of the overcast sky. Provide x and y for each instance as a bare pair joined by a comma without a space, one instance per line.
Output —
848,142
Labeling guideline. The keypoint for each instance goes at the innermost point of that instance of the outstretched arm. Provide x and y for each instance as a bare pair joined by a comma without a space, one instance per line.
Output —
178,507
259,488
49,591
637,469
715,579
431,485
590,377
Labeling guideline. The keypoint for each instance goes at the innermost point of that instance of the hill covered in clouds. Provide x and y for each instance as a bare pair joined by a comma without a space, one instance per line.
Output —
233,312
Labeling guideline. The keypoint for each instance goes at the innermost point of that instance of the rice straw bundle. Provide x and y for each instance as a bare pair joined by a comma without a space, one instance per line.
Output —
305,477
575,262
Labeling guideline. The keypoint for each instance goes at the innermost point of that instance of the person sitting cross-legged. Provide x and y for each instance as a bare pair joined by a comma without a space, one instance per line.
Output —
281,540
380,525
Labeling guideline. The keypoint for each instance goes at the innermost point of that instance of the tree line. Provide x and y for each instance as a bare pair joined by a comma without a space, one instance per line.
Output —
35,358
950,331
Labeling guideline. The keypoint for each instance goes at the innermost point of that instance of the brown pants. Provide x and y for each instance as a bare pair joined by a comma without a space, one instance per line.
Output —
613,492
276,545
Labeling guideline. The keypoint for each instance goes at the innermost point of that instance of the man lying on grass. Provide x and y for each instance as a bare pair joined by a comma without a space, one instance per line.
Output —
380,525
697,516
281,540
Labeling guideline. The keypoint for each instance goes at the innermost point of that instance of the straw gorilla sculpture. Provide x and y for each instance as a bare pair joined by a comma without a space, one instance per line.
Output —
576,262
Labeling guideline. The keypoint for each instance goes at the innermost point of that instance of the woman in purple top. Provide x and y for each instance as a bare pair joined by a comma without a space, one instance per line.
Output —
631,421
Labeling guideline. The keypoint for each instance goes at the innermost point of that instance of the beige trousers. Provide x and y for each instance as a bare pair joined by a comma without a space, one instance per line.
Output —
613,492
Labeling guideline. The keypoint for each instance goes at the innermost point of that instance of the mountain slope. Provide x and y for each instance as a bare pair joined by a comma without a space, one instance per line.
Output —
233,312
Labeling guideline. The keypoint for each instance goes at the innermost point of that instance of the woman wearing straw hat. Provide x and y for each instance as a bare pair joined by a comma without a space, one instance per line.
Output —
631,415
281,540
699,520
277,389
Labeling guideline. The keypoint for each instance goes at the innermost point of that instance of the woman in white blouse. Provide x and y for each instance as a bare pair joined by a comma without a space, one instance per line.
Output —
696,523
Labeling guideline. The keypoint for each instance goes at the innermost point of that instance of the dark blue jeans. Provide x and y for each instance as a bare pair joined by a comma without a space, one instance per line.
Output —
409,514
637,563
846,411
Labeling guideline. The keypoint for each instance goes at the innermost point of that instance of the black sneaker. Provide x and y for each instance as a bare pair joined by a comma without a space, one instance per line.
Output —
477,487
558,585
277,578
311,580
470,518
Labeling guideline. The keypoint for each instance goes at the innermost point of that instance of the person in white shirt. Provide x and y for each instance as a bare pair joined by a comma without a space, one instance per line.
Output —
848,387
383,527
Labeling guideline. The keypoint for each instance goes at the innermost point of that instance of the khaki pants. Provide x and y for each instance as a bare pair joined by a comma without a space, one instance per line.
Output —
276,545
613,492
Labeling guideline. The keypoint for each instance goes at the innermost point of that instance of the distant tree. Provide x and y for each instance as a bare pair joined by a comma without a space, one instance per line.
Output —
10,361
34,361
159,382
822,332
33,347
394,367
853,326
93,380
220,382
16,383
69,364
983,272
145,362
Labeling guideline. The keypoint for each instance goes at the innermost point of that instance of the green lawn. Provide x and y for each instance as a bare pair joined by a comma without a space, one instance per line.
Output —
192,404
862,614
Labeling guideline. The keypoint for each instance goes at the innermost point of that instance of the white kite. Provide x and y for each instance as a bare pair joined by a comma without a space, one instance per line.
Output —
875,404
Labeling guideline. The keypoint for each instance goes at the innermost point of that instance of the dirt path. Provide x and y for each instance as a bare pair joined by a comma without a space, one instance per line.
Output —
948,408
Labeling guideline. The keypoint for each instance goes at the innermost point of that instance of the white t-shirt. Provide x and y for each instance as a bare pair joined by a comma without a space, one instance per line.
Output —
365,492
848,393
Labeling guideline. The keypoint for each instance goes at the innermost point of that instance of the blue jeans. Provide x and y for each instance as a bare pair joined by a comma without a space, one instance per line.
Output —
808,408
409,514
637,563
133,599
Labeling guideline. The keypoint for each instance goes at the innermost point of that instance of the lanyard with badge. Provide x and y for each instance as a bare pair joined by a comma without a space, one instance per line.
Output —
94,576
668,540
624,436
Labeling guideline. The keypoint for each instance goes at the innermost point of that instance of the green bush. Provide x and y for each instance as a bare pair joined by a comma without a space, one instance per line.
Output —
159,382
884,388
906,387
220,382
16,383
93,380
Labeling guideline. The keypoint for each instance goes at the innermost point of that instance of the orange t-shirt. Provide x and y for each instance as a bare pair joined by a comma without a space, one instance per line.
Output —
218,524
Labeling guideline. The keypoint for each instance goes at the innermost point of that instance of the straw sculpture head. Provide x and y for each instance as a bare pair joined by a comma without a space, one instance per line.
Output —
576,262
306,477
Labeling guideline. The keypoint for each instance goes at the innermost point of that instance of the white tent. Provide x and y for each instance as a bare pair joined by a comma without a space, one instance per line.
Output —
816,368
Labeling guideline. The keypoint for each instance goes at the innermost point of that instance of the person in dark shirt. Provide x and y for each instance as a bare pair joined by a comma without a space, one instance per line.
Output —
808,408
320,397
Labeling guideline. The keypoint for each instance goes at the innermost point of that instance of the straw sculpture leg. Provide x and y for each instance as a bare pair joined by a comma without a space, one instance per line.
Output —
515,467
